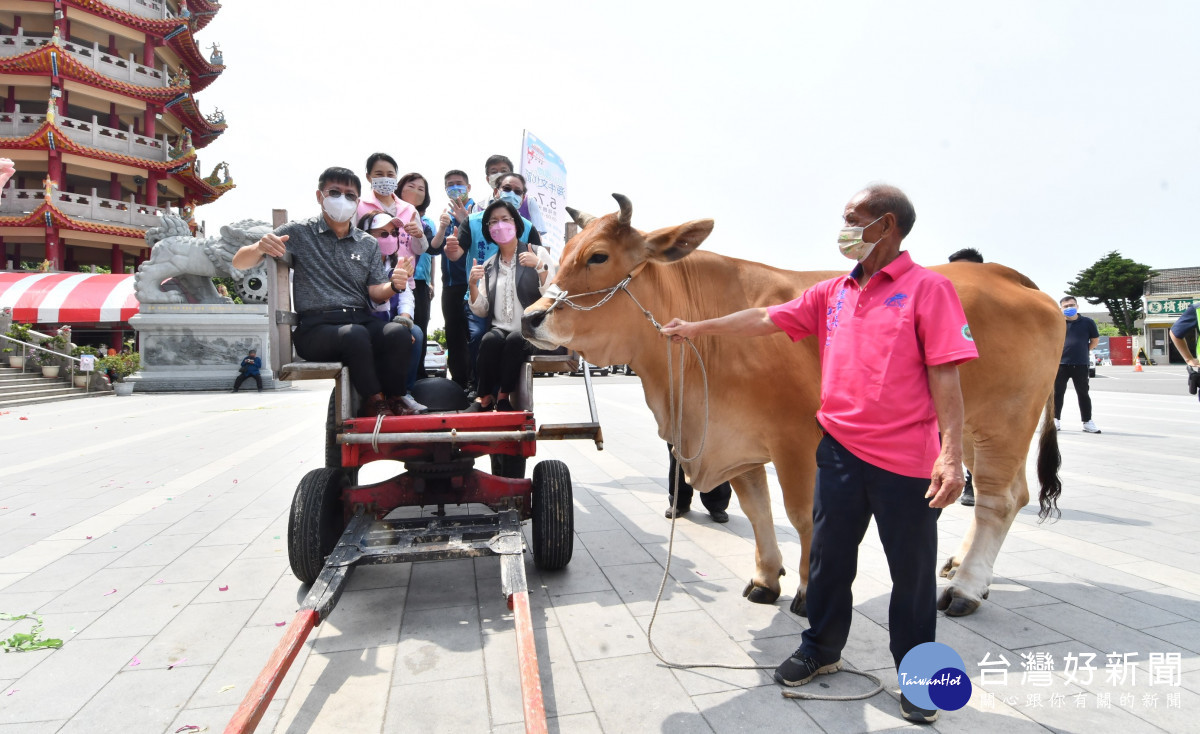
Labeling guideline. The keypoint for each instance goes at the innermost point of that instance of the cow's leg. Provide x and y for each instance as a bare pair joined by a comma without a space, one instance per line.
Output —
755,500
951,565
797,474
997,502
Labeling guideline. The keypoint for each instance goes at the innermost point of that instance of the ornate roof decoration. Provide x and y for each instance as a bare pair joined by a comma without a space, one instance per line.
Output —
176,33
49,59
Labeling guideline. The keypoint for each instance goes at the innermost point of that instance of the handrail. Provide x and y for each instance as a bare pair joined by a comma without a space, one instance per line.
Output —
71,361
39,348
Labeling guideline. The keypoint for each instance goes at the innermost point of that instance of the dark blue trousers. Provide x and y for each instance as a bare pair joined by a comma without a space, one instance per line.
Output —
849,492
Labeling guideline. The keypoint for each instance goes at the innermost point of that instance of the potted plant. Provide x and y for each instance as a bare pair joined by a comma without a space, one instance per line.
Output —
17,332
120,366
81,378
51,361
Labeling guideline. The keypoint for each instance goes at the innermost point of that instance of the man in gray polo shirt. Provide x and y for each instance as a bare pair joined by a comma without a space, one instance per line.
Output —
338,272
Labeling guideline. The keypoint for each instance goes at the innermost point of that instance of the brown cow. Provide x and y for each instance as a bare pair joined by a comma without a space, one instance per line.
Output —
764,393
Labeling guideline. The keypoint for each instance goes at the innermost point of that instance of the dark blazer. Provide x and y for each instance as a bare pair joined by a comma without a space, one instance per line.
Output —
528,284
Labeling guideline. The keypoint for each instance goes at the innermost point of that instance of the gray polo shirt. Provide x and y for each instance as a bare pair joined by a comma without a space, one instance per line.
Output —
328,272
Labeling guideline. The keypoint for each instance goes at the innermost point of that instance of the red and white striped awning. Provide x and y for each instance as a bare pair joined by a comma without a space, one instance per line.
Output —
68,298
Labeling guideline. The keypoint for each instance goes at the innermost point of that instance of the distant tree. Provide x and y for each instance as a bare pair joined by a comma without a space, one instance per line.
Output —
1117,282
1108,330
439,336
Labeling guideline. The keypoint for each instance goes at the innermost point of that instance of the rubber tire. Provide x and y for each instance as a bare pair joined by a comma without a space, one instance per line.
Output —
510,467
316,521
553,515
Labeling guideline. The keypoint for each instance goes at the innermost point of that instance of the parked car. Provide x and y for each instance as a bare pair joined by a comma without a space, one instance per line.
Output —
596,371
435,359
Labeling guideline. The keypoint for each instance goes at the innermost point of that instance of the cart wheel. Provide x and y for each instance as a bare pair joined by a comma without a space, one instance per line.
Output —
316,521
333,452
553,515
510,467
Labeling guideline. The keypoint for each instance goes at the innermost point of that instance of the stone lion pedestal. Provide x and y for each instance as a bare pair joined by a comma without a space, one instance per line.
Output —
199,346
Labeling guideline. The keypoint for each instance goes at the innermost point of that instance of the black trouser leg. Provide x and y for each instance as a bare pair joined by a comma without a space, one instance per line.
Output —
516,349
491,353
237,384
1060,389
457,363
1079,378
715,500
908,530
421,311
376,352
258,381
841,514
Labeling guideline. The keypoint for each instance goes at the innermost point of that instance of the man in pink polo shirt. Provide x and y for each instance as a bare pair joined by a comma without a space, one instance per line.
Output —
891,335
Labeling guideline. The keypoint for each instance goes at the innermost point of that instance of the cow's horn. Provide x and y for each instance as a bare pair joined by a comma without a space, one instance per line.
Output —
583,219
626,205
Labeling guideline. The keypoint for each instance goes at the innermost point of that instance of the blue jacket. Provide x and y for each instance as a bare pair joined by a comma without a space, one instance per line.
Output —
252,364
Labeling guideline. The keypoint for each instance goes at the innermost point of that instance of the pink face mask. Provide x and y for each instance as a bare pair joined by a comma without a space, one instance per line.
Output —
502,231
388,244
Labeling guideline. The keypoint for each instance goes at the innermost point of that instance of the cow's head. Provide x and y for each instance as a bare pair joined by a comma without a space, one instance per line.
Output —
606,251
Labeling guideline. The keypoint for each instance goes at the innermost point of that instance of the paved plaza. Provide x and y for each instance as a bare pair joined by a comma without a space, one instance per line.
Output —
150,532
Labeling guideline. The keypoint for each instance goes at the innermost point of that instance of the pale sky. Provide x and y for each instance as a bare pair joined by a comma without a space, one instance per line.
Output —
1044,134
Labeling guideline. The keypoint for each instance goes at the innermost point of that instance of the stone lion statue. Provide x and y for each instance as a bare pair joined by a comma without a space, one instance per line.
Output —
181,266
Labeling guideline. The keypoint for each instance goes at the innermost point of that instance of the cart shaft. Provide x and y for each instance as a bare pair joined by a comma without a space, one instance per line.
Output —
258,698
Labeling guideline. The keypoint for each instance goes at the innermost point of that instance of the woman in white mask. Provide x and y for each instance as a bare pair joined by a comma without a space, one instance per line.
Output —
383,195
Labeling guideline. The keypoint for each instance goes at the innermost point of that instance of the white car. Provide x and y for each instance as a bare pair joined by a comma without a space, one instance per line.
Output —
435,359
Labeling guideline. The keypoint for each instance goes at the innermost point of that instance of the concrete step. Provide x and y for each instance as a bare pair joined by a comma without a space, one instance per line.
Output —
74,394
24,386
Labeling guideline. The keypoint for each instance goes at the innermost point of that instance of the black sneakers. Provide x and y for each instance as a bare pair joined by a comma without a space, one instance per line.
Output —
916,715
796,671
968,495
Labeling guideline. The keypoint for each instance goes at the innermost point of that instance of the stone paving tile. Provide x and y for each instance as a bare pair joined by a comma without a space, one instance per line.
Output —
200,563
753,710
597,625
573,724
247,578
740,619
1172,600
340,692
694,638
367,618
252,647
122,706
1184,634
1119,608
441,584
216,717
64,573
201,633
439,644
436,706
638,584
68,678
96,593
164,549
634,694
582,576
385,576
689,562
33,727
143,612
613,548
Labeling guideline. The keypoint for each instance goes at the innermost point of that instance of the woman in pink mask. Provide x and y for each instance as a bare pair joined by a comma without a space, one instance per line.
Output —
386,230
501,289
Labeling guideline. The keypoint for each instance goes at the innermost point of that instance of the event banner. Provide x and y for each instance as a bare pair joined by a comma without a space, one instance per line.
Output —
546,177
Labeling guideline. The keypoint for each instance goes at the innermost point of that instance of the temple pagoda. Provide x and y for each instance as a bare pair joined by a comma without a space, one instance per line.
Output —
101,118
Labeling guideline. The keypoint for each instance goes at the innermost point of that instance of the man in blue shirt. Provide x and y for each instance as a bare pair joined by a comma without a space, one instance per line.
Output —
1184,327
250,368
1082,338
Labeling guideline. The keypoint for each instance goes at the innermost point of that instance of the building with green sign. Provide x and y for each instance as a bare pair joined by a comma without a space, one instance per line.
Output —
1168,293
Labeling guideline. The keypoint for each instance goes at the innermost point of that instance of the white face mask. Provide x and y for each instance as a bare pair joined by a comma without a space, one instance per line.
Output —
384,186
850,242
339,209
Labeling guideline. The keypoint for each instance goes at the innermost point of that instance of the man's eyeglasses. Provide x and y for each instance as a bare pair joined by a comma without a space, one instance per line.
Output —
335,194
518,192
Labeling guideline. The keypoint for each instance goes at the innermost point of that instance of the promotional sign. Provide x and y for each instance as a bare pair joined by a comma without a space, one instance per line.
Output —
87,362
546,177
1167,305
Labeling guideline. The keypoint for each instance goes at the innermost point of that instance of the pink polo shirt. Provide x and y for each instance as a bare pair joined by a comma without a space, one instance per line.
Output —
398,208
875,343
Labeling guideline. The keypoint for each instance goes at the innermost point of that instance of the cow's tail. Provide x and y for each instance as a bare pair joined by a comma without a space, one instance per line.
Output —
1048,463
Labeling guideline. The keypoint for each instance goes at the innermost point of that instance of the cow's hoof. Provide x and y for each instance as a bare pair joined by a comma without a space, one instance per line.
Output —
799,605
760,594
947,571
956,606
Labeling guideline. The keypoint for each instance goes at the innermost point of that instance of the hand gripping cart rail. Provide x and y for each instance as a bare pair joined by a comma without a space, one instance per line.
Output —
336,524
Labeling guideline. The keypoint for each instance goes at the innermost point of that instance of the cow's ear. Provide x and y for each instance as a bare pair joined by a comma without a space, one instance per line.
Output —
674,243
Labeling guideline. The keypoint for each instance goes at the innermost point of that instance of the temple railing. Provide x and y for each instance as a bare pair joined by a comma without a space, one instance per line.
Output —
17,124
81,206
112,66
